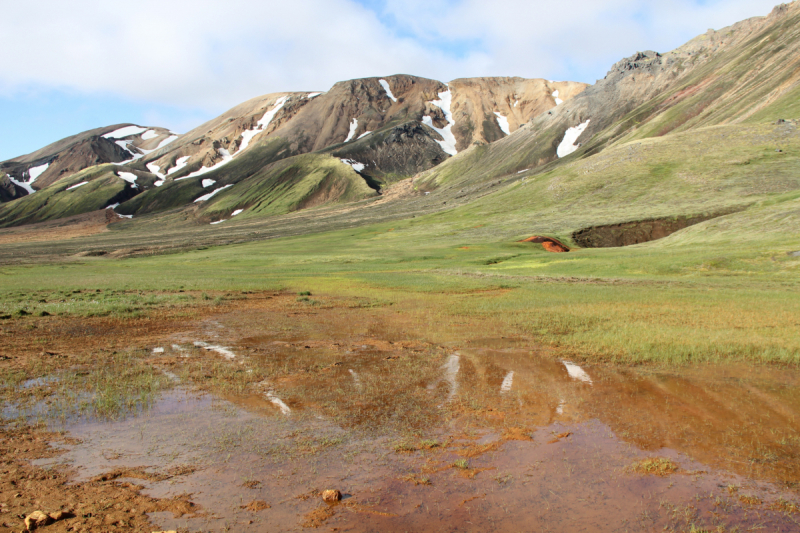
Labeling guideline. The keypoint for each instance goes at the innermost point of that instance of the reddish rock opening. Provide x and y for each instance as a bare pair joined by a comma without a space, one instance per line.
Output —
548,243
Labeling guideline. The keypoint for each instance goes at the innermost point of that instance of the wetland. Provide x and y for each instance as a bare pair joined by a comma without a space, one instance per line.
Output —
236,414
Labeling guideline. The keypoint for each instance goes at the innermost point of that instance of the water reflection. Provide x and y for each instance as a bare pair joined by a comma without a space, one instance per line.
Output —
483,439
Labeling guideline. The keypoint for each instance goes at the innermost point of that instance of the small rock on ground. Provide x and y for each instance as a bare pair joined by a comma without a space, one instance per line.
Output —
331,496
37,519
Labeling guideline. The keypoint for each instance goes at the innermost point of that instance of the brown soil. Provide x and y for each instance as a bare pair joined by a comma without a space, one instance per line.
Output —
559,437
60,342
548,243
308,352
97,505
57,230
318,516
256,506
629,233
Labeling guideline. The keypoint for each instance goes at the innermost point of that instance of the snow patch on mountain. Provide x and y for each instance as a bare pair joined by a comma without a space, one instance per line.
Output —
24,185
126,145
312,95
571,136
503,123
149,134
130,178
33,173
358,167
166,141
444,102
353,127
114,206
226,158
127,131
238,211
385,85
179,164
212,193
262,124
208,183
155,169
364,134
76,185
559,101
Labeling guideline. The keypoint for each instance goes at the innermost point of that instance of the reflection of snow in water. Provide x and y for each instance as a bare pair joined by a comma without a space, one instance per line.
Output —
507,382
451,368
576,372
225,352
356,378
179,348
269,395
560,408
279,403
172,377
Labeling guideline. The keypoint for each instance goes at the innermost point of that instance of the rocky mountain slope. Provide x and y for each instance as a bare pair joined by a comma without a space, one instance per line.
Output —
383,129
113,144
749,72
285,152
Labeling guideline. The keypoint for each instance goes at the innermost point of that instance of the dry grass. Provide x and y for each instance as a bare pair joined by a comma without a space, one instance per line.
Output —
656,466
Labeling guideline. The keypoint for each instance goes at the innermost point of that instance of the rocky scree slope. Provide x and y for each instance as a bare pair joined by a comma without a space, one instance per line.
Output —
112,144
379,130
748,72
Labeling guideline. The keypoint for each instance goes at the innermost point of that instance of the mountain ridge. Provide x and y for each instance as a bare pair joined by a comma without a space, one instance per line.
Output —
463,136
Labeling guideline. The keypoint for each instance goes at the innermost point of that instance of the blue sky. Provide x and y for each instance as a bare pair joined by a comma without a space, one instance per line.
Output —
73,66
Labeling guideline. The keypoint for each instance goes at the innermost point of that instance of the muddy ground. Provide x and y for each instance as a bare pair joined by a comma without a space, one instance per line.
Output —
237,416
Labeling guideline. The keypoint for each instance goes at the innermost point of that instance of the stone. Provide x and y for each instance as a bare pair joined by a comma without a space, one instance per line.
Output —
59,515
37,519
331,496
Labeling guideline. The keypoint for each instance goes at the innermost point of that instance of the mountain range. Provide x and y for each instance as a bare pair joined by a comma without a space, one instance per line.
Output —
403,144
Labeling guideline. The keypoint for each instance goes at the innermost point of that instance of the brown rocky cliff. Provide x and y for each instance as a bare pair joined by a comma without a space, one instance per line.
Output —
475,101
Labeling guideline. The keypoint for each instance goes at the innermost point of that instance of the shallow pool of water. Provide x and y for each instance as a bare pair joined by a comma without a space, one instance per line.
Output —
492,436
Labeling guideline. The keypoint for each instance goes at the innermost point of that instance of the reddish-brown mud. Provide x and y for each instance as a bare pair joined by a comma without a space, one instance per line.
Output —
277,400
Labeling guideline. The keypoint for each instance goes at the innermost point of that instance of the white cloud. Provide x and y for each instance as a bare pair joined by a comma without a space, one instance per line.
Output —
559,39
212,55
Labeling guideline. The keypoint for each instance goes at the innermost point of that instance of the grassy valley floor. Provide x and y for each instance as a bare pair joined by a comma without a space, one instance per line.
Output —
417,356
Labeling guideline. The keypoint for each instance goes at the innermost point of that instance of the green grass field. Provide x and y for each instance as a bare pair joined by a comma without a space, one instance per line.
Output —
723,289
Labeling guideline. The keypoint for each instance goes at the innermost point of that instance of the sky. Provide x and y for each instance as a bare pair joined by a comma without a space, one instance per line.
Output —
66,67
